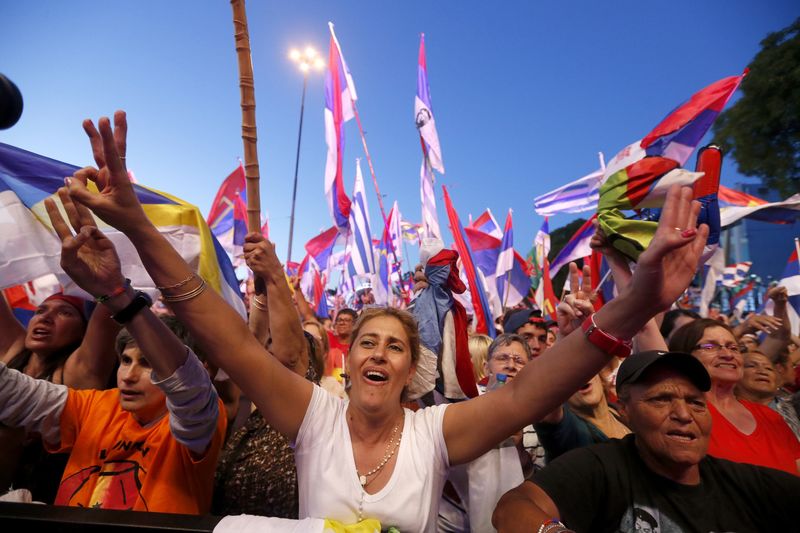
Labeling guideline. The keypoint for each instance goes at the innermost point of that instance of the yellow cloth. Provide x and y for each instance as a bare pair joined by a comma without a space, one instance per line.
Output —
365,526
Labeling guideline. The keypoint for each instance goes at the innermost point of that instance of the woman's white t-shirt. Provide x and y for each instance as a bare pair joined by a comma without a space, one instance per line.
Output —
326,472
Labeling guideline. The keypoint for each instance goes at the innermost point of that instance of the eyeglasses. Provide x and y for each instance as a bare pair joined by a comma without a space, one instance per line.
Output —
506,357
344,321
713,347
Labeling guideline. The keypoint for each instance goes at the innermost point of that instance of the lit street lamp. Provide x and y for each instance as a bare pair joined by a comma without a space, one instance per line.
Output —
306,60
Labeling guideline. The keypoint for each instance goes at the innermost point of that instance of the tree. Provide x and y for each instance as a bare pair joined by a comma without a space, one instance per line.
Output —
762,130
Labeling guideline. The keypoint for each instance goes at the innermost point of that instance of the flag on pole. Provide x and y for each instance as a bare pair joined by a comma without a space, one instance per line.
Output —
423,113
505,262
539,252
430,220
736,205
362,256
395,231
487,224
791,280
411,231
30,249
575,197
576,248
484,322
382,286
340,95
227,217
319,248
640,175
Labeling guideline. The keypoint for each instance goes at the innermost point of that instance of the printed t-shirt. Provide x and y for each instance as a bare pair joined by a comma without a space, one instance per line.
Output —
117,464
336,353
772,444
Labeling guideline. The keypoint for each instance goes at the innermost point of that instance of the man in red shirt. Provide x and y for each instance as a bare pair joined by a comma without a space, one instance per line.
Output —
339,340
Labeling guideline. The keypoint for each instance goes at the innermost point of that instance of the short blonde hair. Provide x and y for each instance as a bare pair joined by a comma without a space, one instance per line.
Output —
478,350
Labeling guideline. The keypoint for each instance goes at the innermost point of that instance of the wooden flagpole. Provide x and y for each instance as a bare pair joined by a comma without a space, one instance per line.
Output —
248,104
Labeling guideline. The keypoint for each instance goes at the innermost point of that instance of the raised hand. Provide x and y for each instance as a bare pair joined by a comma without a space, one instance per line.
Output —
577,305
260,256
88,257
116,202
665,269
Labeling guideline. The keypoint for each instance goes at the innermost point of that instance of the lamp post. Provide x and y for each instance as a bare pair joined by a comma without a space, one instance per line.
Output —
306,60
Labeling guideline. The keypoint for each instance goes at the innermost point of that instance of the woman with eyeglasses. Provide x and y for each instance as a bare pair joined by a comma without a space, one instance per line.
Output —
741,431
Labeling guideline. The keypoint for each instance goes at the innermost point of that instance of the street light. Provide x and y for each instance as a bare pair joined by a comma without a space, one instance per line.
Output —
306,61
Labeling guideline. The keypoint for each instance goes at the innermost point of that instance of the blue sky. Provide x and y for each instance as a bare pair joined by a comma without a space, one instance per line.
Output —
525,93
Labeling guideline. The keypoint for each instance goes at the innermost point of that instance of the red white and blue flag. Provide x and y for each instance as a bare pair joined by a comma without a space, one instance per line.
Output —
362,257
227,218
576,248
319,248
340,97
487,224
484,322
423,113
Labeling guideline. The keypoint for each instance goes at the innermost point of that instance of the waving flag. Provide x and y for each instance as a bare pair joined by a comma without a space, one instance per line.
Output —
487,224
361,253
395,231
505,262
320,295
791,280
30,249
736,205
539,252
382,286
576,248
639,175
430,220
575,197
227,218
410,231
423,113
484,322
320,247
340,95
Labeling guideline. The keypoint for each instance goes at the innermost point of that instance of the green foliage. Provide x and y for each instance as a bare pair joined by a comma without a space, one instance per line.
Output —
558,239
762,130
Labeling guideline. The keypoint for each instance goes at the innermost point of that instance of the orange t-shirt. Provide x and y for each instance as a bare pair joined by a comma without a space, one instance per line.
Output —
115,463
772,444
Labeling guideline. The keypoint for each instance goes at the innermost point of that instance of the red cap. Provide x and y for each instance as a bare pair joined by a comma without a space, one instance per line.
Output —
74,301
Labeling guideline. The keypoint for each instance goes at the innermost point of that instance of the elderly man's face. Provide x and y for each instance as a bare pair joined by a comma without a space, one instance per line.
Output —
670,418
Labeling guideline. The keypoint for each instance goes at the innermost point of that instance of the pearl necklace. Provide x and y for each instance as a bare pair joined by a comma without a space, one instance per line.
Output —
391,448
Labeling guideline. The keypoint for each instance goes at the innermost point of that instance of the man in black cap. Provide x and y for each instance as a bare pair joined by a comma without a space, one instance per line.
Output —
658,475
530,325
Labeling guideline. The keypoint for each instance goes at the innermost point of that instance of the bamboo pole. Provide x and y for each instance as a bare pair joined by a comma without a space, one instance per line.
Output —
248,104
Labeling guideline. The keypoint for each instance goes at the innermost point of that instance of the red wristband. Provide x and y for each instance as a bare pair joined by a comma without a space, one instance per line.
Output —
116,292
605,342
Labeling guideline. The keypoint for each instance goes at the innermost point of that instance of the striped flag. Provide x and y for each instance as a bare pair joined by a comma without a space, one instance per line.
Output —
423,113
640,175
430,220
340,95
484,322
575,197
319,248
30,249
395,231
227,217
487,224
361,254
505,261
576,248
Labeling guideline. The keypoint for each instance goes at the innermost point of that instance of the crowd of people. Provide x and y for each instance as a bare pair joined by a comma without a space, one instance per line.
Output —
630,417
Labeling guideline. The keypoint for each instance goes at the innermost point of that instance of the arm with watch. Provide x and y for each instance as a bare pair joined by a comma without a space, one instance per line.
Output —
91,260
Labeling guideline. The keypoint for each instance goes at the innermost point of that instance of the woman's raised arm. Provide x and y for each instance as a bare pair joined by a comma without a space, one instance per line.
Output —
663,272
281,395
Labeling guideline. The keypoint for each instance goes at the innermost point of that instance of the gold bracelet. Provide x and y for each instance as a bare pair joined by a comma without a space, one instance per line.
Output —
258,304
187,295
179,284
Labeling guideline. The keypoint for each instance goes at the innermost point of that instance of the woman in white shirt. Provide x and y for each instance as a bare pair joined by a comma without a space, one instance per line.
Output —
367,457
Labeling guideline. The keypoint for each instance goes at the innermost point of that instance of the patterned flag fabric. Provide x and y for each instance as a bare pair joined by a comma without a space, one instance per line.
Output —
578,196
791,280
736,205
319,248
512,273
639,176
423,113
487,224
484,322
361,253
30,248
430,219
576,248
340,96
227,217
539,252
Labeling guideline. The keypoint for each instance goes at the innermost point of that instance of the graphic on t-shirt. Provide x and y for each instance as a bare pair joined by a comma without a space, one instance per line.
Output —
113,485
644,519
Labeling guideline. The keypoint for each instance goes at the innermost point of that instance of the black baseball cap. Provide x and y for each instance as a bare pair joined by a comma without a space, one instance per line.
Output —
633,367
517,319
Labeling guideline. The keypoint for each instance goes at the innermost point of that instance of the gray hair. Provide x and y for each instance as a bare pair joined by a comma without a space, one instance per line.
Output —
506,339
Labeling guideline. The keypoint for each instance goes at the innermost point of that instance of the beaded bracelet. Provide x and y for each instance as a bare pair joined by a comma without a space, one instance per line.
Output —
552,525
116,292
187,295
